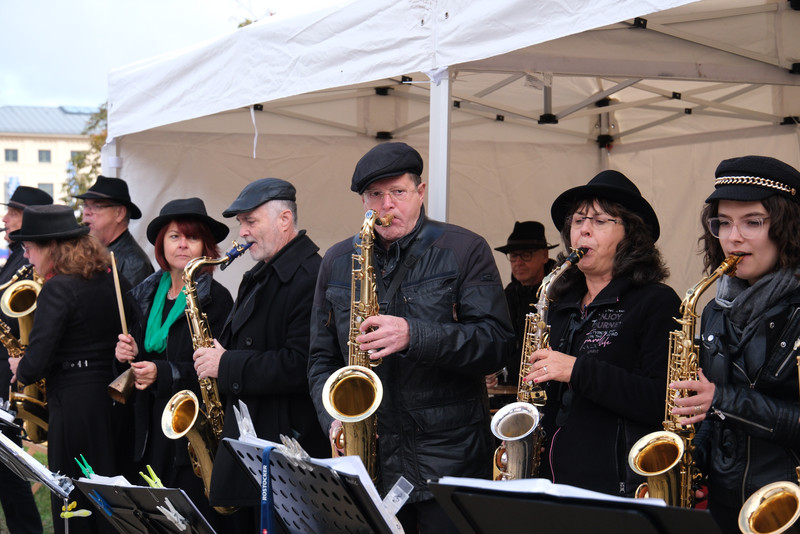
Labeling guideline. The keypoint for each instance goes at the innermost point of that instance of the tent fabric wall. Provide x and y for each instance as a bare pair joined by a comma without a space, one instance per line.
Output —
493,184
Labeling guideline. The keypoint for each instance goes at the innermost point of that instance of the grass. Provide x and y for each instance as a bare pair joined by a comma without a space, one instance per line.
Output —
40,492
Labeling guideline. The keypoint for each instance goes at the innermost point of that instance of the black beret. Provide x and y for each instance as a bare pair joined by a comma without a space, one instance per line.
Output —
384,161
750,178
258,192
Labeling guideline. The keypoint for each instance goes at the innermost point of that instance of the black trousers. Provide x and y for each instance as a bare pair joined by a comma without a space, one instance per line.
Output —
426,517
22,516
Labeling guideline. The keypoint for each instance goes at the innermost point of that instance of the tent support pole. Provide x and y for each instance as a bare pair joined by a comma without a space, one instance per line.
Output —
439,152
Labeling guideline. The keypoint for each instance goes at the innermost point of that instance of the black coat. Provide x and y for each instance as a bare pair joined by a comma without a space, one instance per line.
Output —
751,436
175,372
72,345
15,260
617,392
434,417
132,262
266,337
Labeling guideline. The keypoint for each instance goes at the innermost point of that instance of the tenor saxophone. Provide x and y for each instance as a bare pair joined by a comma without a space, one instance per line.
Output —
182,415
19,302
353,394
519,424
666,457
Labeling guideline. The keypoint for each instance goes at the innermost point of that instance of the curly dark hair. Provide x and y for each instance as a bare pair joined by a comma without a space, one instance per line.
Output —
784,235
636,258
81,256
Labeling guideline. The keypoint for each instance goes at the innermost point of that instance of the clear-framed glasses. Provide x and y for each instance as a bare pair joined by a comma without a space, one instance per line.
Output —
524,255
749,227
377,196
598,221
92,208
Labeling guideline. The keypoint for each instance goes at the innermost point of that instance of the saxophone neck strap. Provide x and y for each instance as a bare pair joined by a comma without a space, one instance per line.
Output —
430,232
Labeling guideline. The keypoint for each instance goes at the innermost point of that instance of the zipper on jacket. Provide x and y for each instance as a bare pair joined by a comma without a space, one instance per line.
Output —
751,383
722,415
788,357
746,470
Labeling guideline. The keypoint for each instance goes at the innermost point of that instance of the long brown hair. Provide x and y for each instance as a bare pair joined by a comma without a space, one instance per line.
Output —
81,256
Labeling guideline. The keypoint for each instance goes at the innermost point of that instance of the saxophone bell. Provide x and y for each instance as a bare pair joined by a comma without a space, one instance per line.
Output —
773,509
517,425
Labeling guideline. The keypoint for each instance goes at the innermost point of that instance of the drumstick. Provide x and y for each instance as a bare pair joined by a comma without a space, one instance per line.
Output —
119,295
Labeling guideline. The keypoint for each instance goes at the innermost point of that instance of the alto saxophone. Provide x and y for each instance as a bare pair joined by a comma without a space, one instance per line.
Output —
519,424
182,415
666,457
353,393
19,302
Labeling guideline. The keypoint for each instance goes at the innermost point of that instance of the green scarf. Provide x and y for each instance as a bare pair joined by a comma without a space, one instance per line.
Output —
155,339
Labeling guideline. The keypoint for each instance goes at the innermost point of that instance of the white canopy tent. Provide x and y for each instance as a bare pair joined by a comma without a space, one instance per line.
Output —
534,98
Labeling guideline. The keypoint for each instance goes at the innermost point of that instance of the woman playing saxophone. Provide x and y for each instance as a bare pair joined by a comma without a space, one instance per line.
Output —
746,393
605,373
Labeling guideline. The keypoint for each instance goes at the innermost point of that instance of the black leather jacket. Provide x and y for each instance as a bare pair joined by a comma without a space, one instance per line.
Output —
434,418
752,435
132,262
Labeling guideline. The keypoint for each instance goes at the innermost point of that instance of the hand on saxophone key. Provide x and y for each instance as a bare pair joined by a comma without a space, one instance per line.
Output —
206,360
383,335
13,363
693,408
548,364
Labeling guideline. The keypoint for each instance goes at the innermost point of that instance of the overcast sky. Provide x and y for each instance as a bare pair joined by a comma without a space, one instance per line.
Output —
59,52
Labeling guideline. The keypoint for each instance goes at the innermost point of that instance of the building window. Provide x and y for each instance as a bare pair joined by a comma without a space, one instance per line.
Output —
12,156
76,153
47,188
44,156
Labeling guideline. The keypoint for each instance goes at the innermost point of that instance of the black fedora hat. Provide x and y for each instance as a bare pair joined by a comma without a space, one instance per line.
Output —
47,223
25,196
112,189
190,208
609,185
527,235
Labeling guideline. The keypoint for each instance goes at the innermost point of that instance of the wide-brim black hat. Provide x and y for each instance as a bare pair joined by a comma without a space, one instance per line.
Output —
258,192
527,235
609,185
25,196
192,208
384,161
48,223
115,189
751,178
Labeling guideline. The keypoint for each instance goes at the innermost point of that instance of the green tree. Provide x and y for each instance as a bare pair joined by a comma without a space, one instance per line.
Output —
84,167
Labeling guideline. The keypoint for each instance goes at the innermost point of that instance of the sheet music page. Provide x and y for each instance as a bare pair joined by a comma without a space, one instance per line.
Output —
542,486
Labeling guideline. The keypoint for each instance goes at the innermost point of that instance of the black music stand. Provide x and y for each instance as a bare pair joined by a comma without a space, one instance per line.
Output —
144,510
28,468
476,507
311,496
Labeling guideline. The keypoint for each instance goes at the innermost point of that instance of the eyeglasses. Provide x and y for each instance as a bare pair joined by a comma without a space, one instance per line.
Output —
25,248
748,228
91,208
377,196
599,222
524,255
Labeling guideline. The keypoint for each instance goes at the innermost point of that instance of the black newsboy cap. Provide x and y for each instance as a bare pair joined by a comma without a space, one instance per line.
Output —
750,178
258,192
384,161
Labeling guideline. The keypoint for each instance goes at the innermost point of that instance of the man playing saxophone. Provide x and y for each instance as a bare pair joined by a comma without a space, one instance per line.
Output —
747,390
443,325
262,353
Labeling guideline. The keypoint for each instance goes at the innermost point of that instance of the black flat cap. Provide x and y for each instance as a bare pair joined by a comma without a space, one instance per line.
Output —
609,185
185,208
25,196
750,178
384,161
47,223
258,192
115,189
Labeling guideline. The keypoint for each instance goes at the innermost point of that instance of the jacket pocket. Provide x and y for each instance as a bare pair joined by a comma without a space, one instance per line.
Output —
431,298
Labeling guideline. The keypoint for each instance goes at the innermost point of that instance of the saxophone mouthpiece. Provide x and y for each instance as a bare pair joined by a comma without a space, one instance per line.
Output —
234,253
384,221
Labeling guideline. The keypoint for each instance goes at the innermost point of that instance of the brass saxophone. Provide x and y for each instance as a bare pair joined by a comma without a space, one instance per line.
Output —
666,457
19,302
518,423
182,415
353,393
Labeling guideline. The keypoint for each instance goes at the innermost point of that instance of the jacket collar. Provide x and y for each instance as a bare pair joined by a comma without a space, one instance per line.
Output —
288,259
